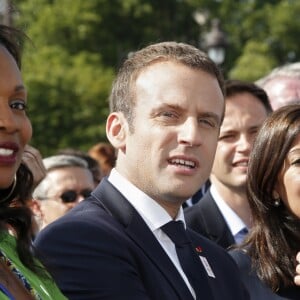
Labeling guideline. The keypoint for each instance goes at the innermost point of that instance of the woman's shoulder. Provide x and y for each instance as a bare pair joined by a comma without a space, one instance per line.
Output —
241,258
37,284
8,244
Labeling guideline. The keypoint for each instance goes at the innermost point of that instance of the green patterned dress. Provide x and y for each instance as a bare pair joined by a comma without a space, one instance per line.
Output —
41,287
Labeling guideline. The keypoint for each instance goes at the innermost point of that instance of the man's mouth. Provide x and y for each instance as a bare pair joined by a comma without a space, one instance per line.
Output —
182,162
241,164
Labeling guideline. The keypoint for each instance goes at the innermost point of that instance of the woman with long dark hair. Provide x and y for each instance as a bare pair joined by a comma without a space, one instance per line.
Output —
267,259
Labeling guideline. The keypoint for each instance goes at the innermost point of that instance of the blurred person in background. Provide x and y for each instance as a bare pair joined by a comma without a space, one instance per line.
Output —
93,164
105,154
282,85
21,275
67,182
32,158
34,161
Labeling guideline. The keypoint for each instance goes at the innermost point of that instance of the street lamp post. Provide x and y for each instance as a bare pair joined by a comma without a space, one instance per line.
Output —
215,42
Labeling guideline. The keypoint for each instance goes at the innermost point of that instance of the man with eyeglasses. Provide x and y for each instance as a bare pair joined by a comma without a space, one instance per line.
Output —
68,181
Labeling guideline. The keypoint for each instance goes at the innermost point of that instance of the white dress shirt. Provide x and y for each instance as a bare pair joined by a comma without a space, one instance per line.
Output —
234,222
154,215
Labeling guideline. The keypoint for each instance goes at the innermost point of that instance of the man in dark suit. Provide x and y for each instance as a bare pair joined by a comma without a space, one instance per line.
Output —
206,218
223,214
167,106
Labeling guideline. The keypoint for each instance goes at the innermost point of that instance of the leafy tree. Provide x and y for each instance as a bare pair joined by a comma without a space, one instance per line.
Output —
263,36
68,83
78,46
253,52
68,97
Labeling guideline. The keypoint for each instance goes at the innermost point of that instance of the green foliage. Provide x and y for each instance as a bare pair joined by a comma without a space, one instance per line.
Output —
255,54
67,81
78,45
268,38
67,97
284,24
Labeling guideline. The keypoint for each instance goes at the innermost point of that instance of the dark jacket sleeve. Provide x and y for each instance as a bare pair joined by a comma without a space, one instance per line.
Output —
73,262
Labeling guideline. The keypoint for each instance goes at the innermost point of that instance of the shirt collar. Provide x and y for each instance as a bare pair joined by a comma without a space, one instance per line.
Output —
234,222
152,213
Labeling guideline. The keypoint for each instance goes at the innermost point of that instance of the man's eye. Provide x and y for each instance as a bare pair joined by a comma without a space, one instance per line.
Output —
208,122
168,114
226,137
18,105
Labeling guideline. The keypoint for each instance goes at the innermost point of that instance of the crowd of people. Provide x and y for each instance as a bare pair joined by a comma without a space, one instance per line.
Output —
118,221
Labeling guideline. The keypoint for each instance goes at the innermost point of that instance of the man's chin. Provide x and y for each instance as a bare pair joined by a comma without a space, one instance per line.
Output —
240,184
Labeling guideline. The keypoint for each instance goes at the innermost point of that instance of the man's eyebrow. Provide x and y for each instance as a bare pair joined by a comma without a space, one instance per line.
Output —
172,106
230,130
255,127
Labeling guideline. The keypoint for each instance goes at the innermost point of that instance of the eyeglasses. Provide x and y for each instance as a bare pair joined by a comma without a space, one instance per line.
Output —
71,195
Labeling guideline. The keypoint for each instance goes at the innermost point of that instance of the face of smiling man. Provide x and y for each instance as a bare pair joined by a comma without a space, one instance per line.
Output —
169,152
244,115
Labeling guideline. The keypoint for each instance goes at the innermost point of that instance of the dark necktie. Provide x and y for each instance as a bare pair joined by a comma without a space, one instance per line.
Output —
189,260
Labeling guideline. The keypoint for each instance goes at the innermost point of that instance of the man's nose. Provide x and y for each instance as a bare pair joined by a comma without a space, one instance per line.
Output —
244,143
189,133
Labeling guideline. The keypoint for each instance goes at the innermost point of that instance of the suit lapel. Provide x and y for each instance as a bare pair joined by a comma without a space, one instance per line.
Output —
215,224
141,234
138,231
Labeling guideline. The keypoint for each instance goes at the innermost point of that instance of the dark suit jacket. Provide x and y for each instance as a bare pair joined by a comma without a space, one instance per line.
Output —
103,249
257,289
205,218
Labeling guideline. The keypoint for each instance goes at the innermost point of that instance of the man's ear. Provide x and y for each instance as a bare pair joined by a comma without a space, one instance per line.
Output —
116,130
35,206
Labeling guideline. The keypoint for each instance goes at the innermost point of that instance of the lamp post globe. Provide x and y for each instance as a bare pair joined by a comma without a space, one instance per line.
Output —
216,42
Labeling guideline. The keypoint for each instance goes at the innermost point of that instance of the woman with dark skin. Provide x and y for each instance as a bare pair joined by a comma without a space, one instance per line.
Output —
267,259
21,275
